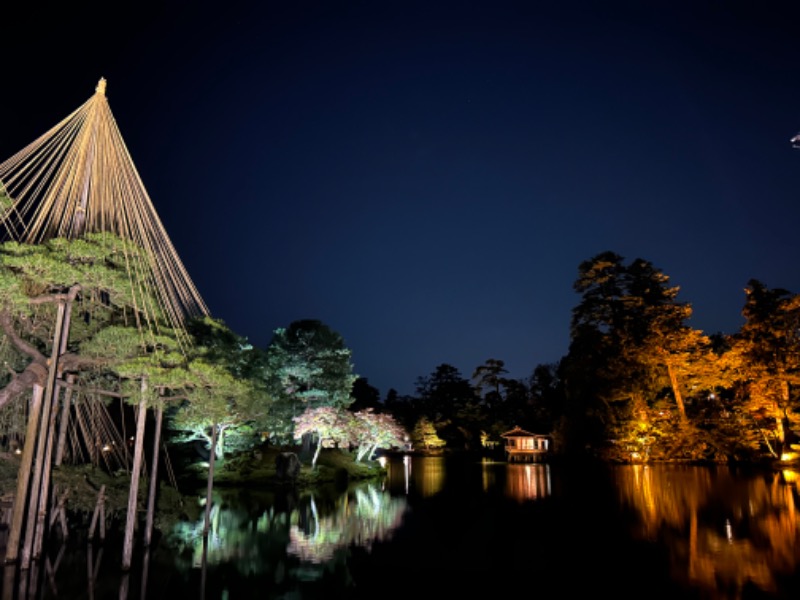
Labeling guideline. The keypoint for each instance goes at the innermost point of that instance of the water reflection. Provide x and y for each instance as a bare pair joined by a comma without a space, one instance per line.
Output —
726,532
528,482
521,482
312,529
424,475
633,531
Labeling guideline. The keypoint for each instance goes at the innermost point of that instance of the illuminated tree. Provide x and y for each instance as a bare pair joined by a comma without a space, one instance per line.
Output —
629,346
308,367
248,404
89,275
424,435
769,346
214,402
376,430
329,425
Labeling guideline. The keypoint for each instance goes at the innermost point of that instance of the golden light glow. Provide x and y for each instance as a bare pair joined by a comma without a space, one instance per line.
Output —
79,178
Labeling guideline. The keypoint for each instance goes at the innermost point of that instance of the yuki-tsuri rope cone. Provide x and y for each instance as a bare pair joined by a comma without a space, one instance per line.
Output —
79,178
76,180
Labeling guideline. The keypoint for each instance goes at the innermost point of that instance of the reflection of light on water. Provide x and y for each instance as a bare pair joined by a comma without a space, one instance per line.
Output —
407,469
432,479
369,515
790,476
488,475
528,482
313,532
730,557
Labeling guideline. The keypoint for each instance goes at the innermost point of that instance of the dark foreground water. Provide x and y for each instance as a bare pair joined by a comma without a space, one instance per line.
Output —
449,528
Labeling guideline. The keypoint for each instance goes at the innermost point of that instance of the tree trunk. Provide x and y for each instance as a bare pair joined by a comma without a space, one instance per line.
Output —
673,378
780,432
133,494
219,447
316,452
210,487
151,500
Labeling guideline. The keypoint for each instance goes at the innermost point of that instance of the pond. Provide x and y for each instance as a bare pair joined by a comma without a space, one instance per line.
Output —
444,527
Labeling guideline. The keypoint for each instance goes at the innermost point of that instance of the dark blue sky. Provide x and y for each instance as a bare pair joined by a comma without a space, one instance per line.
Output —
426,177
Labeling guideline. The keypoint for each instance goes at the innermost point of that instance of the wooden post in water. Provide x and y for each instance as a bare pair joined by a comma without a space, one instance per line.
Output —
99,513
133,494
41,471
23,476
41,515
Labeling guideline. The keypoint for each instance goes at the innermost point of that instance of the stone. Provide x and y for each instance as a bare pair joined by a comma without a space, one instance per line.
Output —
287,466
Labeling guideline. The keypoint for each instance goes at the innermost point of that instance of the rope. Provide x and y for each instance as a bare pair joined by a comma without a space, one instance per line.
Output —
78,178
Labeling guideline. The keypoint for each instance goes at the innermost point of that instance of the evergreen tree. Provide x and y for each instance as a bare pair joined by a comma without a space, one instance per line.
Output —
308,367
769,346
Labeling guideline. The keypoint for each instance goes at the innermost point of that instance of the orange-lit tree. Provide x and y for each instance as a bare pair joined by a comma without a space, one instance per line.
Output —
768,345
424,435
632,356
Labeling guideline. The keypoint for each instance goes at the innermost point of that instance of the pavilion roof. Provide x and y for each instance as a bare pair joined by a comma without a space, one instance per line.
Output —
518,432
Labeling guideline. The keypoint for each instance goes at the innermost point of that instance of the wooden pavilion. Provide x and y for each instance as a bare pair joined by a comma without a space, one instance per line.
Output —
524,446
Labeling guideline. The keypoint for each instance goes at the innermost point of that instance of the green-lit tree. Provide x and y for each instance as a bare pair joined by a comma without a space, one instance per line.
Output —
309,367
72,320
225,361
89,276
214,403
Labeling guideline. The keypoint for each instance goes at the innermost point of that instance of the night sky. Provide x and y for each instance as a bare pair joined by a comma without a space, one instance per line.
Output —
426,177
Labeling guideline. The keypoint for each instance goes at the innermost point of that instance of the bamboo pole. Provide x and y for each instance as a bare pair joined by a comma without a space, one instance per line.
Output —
62,348
38,493
64,421
127,549
23,477
151,500
47,466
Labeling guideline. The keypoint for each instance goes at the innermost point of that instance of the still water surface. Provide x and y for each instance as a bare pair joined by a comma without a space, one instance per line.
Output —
447,528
